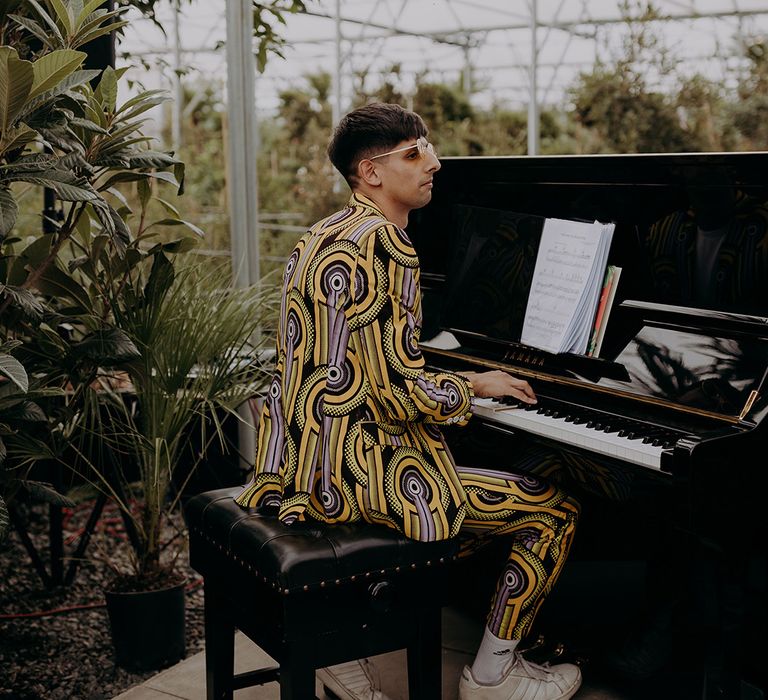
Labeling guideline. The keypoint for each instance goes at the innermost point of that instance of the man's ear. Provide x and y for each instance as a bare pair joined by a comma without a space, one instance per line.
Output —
366,170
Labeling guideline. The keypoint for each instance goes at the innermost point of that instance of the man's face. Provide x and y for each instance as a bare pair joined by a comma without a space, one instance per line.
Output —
406,173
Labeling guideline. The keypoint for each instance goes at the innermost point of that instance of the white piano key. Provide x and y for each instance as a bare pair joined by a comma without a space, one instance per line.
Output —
610,444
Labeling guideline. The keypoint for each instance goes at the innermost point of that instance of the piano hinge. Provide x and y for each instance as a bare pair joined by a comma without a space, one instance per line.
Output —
748,406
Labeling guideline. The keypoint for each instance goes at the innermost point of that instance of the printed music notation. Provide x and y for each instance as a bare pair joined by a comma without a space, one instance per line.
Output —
567,279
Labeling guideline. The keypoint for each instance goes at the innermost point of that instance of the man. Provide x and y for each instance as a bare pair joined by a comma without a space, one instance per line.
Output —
350,429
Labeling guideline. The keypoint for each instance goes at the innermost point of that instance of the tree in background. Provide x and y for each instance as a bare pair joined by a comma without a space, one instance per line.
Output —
747,114
615,102
700,105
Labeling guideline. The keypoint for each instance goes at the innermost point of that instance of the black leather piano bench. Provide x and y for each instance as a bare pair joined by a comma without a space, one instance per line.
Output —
315,595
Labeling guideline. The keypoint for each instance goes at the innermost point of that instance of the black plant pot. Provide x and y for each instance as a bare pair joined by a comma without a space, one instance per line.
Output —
148,627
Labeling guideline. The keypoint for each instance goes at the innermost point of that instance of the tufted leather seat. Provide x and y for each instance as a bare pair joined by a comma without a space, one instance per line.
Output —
314,595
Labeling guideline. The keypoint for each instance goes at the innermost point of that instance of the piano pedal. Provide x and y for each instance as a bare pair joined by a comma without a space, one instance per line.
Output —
543,652
534,645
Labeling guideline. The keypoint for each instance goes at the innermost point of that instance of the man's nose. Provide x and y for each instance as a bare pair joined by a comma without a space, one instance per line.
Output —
433,163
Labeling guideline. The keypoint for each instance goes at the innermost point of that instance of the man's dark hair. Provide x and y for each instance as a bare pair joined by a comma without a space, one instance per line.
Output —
366,131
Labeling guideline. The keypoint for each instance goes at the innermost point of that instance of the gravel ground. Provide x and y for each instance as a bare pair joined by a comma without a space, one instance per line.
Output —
69,654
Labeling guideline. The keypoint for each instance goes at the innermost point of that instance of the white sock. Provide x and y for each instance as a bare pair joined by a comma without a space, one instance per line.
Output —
492,657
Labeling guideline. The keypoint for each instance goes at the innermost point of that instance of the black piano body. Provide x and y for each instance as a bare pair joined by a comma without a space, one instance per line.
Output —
681,383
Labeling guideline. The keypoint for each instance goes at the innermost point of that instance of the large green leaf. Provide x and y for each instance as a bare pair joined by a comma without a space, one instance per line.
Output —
11,368
64,15
148,97
57,283
34,29
45,492
169,208
122,237
84,37
179,222
161,278
73,193
107,347
118,143
92,21
32,256
107,89
123,176
166,177
144,190
16,78
49,21
180,245
16,138
31,412
25,299
88,125
29,162
79,77
104,216
67,186
76,161
8,212
52,68
89,8
151,159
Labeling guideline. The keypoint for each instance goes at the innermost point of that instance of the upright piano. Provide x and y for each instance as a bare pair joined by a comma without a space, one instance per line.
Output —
678,396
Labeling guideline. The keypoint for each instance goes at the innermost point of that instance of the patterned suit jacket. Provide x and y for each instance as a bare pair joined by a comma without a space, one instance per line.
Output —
350,425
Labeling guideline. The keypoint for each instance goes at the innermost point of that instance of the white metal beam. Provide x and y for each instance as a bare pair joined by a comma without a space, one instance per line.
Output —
242,182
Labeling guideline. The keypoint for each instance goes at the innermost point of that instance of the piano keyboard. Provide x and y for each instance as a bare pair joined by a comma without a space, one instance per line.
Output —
614,436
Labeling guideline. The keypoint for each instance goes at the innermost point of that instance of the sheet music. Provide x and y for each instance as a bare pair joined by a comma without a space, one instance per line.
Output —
570,265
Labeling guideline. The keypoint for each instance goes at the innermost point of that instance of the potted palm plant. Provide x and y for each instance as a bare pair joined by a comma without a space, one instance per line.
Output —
195,366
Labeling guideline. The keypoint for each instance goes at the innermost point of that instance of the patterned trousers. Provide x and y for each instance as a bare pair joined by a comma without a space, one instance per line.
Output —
540,520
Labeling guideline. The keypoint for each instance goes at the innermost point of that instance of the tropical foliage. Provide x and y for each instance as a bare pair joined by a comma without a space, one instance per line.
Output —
113,347
196,342
59,131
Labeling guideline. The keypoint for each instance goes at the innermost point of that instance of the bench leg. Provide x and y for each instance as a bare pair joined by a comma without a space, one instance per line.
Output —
425,674
219,646
297,673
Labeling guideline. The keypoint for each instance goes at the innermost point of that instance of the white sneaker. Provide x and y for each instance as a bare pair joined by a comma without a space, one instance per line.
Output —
354,680
524,680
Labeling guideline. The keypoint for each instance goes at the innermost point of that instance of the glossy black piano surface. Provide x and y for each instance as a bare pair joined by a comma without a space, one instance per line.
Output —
683,372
